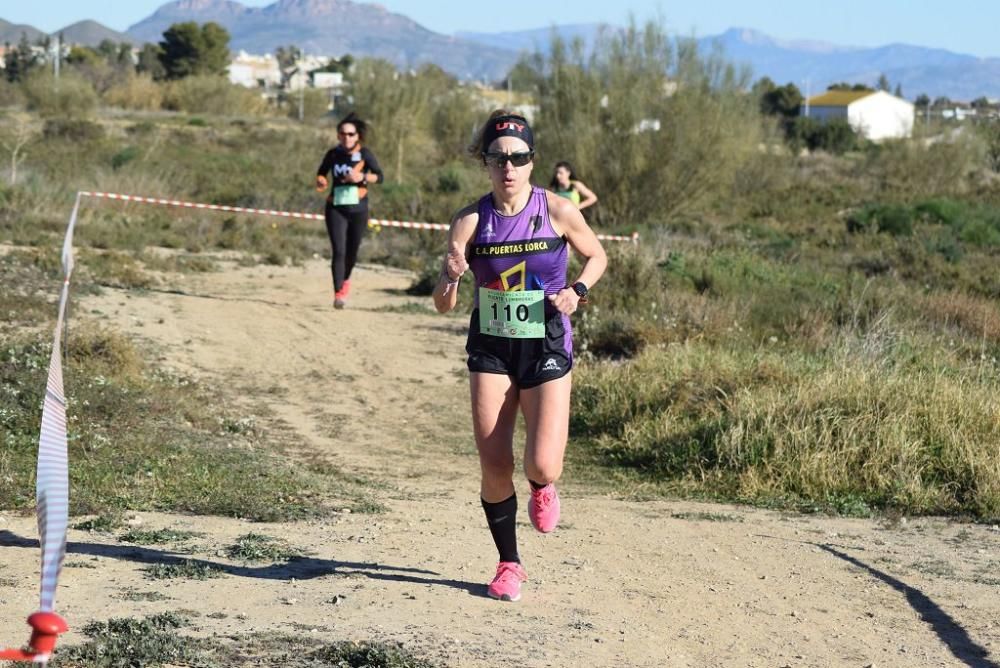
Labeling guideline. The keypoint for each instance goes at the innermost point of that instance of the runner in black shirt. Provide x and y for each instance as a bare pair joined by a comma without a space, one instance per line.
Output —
352,168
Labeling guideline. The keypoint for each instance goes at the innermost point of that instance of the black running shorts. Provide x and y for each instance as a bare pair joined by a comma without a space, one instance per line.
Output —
528,362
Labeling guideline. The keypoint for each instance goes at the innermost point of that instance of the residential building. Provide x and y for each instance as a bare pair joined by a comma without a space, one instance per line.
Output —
876,115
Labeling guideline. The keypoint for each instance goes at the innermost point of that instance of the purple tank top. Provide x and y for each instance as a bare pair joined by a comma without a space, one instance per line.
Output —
519,252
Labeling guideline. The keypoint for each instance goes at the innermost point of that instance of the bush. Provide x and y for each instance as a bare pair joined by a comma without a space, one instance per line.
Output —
859,423
833,136
653,125
11,94
212,95
123,157
976,225
78,130
66,97
315,104
915,170
137,92
888,219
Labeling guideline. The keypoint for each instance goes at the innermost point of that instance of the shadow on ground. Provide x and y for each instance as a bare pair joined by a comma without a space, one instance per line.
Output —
299,568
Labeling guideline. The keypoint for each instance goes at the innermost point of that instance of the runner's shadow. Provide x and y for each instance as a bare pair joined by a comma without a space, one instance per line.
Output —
197,295
951,633
299,568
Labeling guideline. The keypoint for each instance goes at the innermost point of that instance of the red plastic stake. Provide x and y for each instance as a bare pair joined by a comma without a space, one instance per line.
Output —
45,630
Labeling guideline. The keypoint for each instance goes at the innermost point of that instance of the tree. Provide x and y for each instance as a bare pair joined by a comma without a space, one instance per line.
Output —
522,77
288,56
850,87
598,109
20,134
923,101
883,83
834,136
899,90
108,49
990,132
20,60
342,65
83,55
782,101
188,49
150,63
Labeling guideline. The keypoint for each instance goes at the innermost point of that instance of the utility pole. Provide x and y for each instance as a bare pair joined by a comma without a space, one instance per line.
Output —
58,56
302,101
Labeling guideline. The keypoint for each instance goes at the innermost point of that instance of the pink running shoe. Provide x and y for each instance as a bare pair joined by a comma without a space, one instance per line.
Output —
340,297
543,508
506,586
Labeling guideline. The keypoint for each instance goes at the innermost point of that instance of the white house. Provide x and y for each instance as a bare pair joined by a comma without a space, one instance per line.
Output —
876,115
254,71
328,80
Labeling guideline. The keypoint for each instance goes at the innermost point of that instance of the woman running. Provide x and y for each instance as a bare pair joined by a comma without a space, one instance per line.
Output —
565,184
515,239
353,168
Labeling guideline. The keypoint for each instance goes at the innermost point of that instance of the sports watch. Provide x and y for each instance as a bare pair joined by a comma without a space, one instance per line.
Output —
580,288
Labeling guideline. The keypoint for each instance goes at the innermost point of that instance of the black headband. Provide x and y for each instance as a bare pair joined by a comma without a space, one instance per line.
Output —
508,126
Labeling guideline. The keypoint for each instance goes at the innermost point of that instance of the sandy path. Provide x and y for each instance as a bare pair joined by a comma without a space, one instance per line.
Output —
381,392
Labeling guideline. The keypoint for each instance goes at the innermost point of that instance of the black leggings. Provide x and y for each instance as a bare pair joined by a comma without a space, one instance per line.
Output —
347,227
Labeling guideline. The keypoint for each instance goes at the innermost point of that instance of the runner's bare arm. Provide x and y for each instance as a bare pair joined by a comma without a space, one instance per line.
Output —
454,264
589,198
569,222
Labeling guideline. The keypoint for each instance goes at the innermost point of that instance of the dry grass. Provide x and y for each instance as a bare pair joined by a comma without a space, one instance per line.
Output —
974,317
857,428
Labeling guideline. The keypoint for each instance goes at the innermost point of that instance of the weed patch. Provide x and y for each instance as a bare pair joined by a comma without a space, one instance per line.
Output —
155,536
187,570
258,547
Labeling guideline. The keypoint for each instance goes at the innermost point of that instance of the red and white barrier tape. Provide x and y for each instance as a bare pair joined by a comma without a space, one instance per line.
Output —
372,222
51,484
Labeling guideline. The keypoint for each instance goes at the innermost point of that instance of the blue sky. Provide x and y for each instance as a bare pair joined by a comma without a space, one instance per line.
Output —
966,26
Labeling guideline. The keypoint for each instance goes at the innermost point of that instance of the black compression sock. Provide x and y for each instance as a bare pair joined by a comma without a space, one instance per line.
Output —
535,486
502,520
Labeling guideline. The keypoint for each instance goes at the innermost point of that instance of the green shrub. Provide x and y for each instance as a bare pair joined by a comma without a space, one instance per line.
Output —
137,92
313,103
833,136
124,156
212,95
66,97
76,130
860,423
887,219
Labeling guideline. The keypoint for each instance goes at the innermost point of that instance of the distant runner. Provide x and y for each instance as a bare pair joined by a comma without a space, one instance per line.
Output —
565,184
354,168
516,240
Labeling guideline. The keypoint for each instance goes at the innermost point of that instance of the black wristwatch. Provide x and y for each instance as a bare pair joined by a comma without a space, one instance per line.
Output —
580,288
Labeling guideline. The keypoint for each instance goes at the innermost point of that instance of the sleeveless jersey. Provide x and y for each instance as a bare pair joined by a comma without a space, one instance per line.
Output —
573,195
519,252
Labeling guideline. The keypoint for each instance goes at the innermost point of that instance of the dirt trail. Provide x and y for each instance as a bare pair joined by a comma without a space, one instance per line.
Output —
379,389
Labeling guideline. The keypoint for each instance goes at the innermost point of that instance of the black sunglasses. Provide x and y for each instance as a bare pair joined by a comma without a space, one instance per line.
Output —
347,134
499,159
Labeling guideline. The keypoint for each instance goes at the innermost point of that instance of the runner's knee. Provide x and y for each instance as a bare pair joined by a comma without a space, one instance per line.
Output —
543,470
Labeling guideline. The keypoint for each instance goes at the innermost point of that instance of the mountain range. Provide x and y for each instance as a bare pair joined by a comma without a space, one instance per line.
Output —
333,27
89,33
336,27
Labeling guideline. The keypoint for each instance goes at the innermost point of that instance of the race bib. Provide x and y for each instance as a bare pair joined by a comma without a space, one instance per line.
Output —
518,314
345,195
